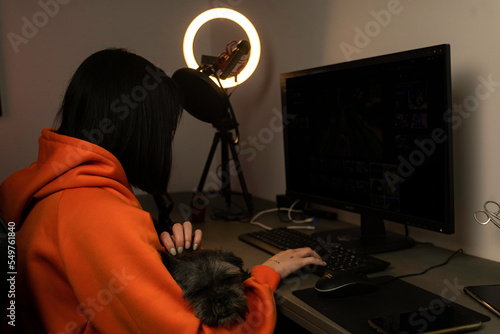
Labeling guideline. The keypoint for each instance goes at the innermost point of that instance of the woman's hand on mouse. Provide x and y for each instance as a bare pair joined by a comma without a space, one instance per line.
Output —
182,238
286,262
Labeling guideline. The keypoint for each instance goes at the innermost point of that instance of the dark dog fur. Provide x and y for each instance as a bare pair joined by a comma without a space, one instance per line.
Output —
211,281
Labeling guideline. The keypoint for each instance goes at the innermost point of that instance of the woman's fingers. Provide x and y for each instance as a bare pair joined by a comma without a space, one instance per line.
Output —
182,238
197,239
188,234
178,232
167,241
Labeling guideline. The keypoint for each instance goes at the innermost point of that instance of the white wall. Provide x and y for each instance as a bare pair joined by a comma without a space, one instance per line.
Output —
295,34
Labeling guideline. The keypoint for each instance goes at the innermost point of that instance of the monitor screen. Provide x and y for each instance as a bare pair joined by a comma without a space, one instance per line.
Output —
373,136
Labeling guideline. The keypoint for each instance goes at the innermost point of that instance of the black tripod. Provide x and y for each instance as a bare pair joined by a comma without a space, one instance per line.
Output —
209,102
225,137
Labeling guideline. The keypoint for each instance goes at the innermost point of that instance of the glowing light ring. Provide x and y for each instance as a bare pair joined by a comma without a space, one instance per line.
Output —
243,22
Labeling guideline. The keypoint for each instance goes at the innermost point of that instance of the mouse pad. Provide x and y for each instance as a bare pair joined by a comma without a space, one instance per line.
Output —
397,296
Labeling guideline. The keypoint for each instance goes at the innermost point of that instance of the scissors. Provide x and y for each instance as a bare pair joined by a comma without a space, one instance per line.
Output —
487,215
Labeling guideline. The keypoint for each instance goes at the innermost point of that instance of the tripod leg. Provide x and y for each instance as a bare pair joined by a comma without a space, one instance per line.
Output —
209,162
225,176
246,194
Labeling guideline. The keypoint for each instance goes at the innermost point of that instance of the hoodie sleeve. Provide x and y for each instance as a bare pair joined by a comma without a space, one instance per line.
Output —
109,251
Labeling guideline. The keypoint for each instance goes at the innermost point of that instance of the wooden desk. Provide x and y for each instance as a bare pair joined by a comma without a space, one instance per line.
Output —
446,281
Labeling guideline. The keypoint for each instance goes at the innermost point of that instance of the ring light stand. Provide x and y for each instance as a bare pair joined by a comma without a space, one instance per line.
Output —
205,98
208,102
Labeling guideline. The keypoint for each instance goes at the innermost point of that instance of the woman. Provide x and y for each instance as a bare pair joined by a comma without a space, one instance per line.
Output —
88,257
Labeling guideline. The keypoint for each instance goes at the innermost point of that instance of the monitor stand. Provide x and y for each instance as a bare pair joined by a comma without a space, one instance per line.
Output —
370,238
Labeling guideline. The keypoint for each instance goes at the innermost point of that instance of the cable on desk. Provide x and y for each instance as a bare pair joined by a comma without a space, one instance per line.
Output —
290,210
459,251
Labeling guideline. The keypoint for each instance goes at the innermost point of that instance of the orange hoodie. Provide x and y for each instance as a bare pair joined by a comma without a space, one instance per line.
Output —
87,253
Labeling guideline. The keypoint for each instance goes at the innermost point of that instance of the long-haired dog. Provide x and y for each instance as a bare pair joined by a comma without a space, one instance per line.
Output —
212,283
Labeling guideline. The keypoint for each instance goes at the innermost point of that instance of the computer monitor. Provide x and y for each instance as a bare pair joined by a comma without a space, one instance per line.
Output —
374,137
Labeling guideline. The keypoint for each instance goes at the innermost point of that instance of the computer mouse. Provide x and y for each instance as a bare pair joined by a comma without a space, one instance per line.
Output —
344,283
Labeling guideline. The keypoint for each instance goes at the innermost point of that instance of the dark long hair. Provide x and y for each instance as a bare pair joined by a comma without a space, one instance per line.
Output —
125,104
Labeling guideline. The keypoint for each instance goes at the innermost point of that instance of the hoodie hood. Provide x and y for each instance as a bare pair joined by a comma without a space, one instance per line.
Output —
63,163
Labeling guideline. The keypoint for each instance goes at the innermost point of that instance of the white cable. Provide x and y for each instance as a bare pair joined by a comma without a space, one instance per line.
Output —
308,220
253,222
262,225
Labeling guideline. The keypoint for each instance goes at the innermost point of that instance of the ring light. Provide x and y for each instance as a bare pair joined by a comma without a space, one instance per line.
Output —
243,22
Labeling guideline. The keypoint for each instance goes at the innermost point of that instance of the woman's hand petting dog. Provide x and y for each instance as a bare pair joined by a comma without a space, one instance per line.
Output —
182,238
291,260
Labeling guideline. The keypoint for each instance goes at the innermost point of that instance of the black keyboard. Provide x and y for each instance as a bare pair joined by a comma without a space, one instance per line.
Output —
337,257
